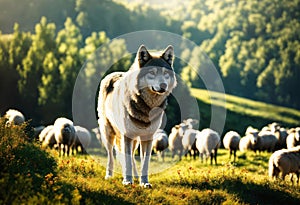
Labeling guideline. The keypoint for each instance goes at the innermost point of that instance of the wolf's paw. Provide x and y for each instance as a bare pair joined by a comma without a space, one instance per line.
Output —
126,183
146,185
107,177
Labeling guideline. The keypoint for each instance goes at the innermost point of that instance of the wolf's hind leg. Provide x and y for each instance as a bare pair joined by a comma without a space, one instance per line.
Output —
108,137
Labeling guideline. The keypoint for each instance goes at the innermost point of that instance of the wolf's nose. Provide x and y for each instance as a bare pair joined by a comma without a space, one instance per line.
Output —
163,86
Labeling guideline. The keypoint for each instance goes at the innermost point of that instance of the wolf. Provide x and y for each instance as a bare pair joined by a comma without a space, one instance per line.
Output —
131,107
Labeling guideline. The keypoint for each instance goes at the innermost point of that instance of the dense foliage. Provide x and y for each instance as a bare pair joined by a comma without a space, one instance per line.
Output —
24,167
254,46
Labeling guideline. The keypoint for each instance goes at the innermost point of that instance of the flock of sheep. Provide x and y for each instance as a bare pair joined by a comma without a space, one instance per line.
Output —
284,144
63,135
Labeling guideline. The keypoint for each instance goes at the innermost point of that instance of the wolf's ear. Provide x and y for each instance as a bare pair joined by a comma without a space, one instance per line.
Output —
168,55
143,55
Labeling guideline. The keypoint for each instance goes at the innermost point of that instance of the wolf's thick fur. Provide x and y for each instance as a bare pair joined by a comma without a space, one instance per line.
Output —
130,109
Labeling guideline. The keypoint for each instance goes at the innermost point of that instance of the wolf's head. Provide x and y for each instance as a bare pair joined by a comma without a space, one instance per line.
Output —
156,70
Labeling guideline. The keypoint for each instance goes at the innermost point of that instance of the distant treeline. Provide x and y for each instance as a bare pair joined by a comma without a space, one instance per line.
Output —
254,45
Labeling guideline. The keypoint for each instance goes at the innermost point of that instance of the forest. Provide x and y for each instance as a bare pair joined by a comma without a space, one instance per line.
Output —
254,46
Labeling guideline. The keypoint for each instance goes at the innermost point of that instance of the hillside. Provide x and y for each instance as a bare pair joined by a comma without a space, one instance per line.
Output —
242,112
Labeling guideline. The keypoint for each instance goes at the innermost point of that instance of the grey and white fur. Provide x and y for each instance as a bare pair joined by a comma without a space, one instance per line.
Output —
130,109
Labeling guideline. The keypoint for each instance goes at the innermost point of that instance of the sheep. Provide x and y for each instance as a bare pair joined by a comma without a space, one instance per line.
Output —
250,130
285,161
279,132
14,117
208,142
189,142
271,127
49,140
82,139
293,139
245,143
44,133
266,141
192,123
64,135
281,135
258,141
175,139
231,142
160,143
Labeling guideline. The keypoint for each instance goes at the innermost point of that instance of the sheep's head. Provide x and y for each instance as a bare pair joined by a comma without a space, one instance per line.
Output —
68,130
253,137
274,127
192,123
182,128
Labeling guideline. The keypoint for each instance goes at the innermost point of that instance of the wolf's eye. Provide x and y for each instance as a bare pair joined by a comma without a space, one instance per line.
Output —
152,72
166,74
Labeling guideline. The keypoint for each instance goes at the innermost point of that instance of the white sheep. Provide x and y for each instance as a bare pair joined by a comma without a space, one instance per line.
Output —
259,141
249,142
160,143
14,117
64,135
44,133
175,139
279,132
49,140
293,139
266,141
285,161
207,142
82,140
231,142
192,123
250,130
189,142
244,144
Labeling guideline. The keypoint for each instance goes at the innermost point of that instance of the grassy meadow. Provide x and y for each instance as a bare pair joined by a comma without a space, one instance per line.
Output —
31,175
186,182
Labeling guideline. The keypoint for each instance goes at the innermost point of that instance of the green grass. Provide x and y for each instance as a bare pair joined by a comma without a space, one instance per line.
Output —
242,112
185,182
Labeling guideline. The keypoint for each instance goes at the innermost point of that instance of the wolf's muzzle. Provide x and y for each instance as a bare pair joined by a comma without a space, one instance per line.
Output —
162,88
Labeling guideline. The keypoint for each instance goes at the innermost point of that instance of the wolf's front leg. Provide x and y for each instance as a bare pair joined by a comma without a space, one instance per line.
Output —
127,166
146,148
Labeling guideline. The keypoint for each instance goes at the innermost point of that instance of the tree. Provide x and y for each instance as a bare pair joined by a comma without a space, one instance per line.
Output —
31,69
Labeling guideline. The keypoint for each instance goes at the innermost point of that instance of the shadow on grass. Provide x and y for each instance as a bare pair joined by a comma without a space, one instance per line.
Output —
249,192
88,196
100,197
